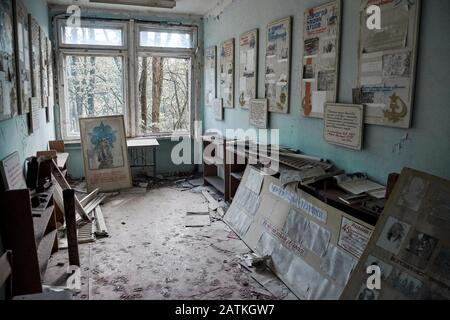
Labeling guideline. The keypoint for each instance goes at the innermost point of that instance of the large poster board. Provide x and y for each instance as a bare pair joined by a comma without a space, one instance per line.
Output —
8,81
411,243
44,68
387,62
278,65
105,155
311,245
248,68
51,84
23,61
321,48
210,75
226,70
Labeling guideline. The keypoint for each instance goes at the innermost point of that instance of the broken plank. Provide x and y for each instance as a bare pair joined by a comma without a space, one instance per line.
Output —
90,197
102,230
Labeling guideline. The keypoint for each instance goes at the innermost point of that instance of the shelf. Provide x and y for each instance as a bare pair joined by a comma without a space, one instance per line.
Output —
45,250
237,175
216,182
40,224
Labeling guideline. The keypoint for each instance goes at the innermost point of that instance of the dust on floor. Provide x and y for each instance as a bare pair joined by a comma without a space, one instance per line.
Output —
150,254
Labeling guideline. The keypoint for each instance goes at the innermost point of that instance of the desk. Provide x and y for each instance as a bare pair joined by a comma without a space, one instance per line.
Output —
137,151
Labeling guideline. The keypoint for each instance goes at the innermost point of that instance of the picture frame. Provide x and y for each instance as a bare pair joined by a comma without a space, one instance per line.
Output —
227,72
278,65
248,67
210,75
105,153
218,109
44,68
320,58
259,113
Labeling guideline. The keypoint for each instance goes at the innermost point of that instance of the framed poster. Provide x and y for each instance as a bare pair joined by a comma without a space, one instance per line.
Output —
278,65
248,68
387,63
259,113
35,53
343,125
411,243
226,70
8,81
218,109
23,61
105,155
11,170
321,48
51,88
44,69
210,75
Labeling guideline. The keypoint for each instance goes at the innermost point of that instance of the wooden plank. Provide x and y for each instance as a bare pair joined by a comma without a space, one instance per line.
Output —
142,143
86,200
89,208
45,250
57,145
40,224
102,230
71,227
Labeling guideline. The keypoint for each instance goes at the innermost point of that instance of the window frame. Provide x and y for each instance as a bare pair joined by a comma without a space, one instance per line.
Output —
130,51
62,85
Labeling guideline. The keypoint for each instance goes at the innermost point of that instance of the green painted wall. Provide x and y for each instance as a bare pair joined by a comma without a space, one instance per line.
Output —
428,146
13,132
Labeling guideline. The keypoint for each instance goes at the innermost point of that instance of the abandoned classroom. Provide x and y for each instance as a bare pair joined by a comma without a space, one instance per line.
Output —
224,150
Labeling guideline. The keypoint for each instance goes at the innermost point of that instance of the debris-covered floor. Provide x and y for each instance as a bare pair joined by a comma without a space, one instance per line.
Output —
150,254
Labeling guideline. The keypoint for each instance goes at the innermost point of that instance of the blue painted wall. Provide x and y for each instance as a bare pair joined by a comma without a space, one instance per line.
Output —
428,146
14,132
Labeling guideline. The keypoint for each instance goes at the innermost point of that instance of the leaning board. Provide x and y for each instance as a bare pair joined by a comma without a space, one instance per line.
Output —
313,247
411,244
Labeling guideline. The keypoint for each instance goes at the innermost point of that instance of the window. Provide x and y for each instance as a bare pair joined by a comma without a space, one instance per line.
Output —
150,83
94,86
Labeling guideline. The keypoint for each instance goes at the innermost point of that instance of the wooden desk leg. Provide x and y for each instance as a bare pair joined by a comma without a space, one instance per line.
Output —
71,226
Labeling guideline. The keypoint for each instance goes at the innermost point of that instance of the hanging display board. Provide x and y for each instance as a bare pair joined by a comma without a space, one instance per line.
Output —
343,125
218,109
44,69
226,70
387,62
259,115
321,47
278,65
51,88
35,52
411,244
210,75
23,61
312,245
8,81
248,68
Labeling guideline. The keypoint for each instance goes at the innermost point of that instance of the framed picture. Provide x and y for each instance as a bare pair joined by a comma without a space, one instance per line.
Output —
11,170
51,88
321,48
259,113
387,63
248,68
210,75
226,70
343,125
8,80
105,155
23,61
278,65
218,109
44,69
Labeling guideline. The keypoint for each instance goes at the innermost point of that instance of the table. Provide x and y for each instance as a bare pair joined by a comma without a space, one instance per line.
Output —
137,151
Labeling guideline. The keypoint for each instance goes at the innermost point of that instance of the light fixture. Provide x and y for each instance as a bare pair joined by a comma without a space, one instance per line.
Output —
167,4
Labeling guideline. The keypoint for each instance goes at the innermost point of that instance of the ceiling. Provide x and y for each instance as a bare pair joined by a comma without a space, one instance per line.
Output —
194,7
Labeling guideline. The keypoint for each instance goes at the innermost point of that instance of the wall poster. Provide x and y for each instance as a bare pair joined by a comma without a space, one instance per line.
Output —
218,109
343,125
248,68
8,81
321,48
51,84
44,69
210,75
387,62
105,155
411,243
259,113
35,54
23,61
278,65
226,70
